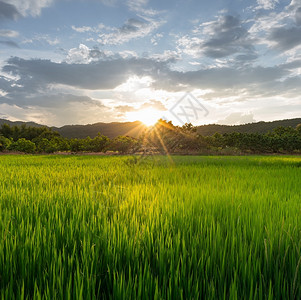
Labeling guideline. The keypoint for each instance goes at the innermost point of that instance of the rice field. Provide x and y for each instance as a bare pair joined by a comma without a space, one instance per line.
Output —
91,227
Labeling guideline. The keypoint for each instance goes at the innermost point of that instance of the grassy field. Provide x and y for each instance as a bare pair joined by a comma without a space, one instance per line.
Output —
85,227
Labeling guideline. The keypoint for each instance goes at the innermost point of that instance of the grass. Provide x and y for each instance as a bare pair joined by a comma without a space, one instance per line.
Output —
84,227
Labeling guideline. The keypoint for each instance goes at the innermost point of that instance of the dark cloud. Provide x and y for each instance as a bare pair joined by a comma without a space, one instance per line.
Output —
295,64
52,101
100,75
94,76
227,36
132,25
9,44
286,38
288,88
59,109
32,76
298,16
95,53
222,78
8,11
224,37
132,29
246,57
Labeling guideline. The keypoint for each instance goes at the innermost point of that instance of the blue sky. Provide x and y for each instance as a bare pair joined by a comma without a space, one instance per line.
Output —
86,61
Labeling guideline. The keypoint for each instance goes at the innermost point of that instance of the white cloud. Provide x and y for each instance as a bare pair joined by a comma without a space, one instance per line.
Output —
85,55
225,50
167,55
127,54
82,29
156,38
237,118
190,45
139,6
53,42
266,4
135,83
194,63
149,105
2,93
42,38
85,29
132,29
8,33
79,55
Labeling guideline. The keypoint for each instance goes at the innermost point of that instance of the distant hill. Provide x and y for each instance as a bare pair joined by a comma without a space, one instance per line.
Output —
18,123
259,127
111,130
134,129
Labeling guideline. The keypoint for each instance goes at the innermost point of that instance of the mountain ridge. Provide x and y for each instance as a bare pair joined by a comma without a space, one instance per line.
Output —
135,128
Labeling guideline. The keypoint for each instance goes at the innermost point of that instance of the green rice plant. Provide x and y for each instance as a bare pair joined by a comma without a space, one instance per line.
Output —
90,227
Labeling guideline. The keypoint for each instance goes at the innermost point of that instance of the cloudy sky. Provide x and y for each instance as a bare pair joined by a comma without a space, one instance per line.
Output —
86,61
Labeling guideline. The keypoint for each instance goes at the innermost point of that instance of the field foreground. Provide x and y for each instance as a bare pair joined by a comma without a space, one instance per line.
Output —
85,227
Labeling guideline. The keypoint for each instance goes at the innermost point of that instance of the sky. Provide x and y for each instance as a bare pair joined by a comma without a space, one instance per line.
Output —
87,61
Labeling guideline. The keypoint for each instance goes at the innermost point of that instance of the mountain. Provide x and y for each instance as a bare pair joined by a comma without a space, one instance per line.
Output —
18,123
259,127
135,129
111,130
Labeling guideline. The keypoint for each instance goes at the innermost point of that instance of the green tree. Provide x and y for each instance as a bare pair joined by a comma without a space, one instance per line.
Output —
77,145
163,136
6,131
4,143
188,127
47,146
298,128
124,144
23,145
99,143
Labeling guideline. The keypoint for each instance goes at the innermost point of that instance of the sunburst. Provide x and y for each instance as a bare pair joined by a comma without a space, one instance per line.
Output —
147,116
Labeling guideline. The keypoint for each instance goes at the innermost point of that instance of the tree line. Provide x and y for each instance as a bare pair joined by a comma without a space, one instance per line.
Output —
166,137
163,137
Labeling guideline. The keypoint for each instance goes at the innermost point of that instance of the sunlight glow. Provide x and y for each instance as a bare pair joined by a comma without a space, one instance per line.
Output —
147,116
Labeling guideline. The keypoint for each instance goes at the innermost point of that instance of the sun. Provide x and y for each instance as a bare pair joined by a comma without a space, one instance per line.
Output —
147,116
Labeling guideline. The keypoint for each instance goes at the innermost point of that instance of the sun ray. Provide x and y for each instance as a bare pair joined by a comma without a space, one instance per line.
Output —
155,130
163,145
147,116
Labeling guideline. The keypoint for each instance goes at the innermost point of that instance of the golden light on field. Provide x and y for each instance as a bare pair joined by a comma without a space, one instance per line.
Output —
147,116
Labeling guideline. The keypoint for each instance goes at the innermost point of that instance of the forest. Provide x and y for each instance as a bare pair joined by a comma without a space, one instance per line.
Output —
162,138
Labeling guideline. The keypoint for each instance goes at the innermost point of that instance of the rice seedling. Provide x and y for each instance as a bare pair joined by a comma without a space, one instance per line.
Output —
85,227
